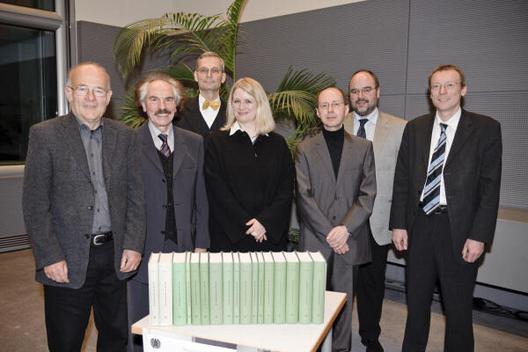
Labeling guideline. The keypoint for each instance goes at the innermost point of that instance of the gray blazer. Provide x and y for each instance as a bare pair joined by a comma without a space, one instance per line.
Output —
386,143
324,202
58,195
191,208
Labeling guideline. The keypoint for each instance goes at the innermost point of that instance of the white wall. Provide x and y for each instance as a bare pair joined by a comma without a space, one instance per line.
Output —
122,12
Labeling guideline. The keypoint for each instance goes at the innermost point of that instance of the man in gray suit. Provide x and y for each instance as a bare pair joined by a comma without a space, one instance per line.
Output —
385,131
175,197
84,212
336,187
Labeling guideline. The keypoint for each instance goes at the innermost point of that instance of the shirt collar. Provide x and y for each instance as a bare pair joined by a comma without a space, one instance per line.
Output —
452,121
155,132
372,117
235,127
82,125
201,100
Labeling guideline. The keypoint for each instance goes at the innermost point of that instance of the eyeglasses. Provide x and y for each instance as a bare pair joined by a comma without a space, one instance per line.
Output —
205,71
449,86
364,90
167,100
83,90
334,105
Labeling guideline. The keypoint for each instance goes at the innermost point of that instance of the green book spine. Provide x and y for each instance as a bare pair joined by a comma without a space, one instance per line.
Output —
292,287
204,289
153,289
179,294
215,287
279,288
319,287
236,288
254,288
245,288
260,312
188,285
305,287
195,289
227,287
269,266
165,291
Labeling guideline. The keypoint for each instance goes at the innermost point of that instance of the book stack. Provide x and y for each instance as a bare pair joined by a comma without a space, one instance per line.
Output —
236,288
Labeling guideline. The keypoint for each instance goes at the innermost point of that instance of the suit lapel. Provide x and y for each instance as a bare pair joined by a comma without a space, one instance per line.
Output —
149,149
73,143
324,156
424,139
109,146
464,130
348,149
179,152
381,132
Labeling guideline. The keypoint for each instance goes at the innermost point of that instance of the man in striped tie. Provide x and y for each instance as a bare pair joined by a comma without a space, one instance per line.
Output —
444,208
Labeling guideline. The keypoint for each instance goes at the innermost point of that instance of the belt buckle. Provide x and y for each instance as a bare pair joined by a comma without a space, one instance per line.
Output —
99,239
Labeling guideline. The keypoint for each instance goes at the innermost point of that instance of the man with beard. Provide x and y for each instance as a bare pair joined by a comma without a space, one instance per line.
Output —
385,132
206,113
172,169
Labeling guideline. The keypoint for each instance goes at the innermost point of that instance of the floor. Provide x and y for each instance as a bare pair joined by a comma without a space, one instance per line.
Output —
22,317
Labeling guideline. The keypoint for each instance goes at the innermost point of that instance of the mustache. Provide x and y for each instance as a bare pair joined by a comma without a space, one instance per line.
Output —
362,101
162,111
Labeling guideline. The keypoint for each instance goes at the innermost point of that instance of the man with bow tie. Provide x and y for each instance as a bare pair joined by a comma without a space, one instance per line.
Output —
172,169
206,113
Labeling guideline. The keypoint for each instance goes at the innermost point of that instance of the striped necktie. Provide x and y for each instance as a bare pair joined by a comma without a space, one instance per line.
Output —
431,192
361,130
165,150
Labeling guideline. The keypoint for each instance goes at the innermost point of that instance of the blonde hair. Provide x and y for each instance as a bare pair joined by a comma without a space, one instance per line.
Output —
264,122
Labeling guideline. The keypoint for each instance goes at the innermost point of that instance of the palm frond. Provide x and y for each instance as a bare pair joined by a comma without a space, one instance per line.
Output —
230,34
129,110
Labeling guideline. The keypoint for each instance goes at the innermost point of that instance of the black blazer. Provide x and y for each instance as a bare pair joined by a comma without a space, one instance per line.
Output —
472,176
191,118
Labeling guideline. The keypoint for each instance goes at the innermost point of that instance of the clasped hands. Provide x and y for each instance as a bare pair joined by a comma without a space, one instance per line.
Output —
337,239
257,230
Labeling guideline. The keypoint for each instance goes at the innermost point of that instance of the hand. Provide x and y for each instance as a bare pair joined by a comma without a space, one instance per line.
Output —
342,249
129,261
200,250
400,239
472,250
57,272
337,237
256,230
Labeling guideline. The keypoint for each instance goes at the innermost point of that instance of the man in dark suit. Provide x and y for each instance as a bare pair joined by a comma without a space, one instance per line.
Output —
84,212
444,208
175,197
336,187
385,132
206,113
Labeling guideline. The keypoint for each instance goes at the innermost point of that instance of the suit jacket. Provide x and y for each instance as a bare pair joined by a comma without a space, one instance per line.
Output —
324,202
191,209
58,197
472,174
386,143
191,118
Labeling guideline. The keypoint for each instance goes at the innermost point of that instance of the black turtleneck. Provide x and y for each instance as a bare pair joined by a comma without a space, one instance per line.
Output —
334,142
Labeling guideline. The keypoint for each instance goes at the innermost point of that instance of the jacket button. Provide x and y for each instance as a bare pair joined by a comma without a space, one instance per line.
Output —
333,217
90,207
87,236
163,180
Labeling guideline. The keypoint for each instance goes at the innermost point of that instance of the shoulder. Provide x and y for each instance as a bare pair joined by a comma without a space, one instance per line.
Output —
420,121
118,125
187,135
309,142
482,120
392,120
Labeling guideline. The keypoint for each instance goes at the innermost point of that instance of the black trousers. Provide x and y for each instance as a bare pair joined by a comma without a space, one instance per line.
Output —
67,310
430,259
370,291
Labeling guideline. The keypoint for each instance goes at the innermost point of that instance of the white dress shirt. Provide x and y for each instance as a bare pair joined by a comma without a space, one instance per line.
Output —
155,132
370,125
452,124
209,114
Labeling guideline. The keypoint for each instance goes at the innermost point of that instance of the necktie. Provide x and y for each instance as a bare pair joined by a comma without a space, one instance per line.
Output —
431,191
213,104
361,130
165,150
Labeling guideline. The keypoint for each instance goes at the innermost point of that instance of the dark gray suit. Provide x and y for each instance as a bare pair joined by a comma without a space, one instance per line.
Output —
58,196
325,202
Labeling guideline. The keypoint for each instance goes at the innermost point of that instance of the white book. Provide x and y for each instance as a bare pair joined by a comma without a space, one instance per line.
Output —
153,288
279,288
305,287
319,287
292,287
227,287
260,312
165,284
215,288
179,289
236,288
245,288
269,266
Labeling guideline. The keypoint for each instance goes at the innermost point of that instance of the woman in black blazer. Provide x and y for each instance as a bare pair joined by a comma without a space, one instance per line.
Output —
249,176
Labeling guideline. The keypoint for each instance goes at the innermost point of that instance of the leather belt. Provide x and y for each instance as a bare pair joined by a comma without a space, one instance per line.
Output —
98,239
442,209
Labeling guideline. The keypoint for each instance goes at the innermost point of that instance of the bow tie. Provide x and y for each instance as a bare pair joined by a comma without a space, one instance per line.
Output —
211,104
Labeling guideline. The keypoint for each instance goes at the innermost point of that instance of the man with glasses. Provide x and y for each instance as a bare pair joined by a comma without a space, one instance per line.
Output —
206,113
175,197
385,132
444,208
84,213
336,187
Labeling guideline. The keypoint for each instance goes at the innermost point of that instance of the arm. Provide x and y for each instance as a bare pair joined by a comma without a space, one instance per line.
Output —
201,205
309,210
276,217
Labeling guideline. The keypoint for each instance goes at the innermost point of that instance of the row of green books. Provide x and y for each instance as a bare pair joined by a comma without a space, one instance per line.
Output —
236,288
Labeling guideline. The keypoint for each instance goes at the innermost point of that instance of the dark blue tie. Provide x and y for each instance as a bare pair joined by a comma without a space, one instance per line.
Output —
361,130
431,191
